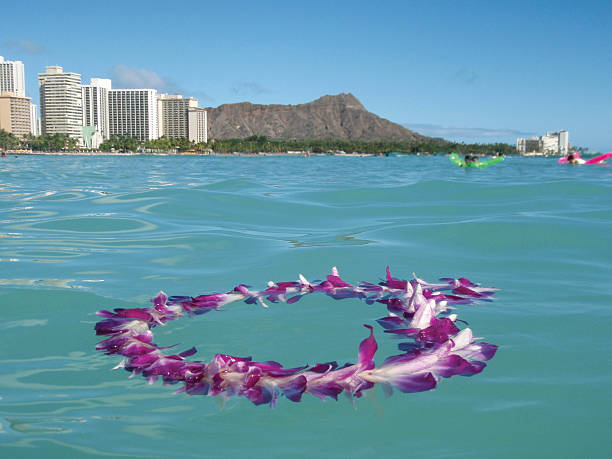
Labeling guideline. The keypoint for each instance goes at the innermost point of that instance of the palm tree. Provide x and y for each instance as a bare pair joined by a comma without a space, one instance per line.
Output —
7,139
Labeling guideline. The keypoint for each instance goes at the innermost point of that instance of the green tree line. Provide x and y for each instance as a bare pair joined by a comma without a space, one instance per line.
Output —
48,142
127,143
263,144
255,144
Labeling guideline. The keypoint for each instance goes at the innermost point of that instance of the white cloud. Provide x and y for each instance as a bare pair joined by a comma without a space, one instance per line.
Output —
455,132
24,46
248,88
129,77
201,96
133,78
465,76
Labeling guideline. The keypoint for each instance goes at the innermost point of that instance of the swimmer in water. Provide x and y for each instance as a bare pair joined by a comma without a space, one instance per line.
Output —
571,159
469,159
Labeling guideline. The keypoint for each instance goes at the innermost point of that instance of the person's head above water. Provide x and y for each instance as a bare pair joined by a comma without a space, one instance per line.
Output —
571,159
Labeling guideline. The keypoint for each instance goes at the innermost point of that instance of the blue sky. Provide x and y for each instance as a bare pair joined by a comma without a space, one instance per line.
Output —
473,71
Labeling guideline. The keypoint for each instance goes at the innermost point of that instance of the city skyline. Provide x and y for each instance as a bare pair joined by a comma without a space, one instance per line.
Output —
95,112
466,71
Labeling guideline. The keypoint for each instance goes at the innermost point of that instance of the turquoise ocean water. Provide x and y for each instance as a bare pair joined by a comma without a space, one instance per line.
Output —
79,234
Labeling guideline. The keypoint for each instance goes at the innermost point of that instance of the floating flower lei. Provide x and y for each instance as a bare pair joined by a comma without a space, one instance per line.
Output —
417,310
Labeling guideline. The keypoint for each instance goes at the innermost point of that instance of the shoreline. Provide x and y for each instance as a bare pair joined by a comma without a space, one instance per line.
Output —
194,153
249,154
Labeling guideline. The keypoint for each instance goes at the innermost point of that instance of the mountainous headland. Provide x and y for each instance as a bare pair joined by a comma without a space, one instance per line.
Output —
330,117
331,123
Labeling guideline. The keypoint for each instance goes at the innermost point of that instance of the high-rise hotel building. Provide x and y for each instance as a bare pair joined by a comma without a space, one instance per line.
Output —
181,117
555,143
12,77
15,114
198,124
12,82
133,113
61,110
95,105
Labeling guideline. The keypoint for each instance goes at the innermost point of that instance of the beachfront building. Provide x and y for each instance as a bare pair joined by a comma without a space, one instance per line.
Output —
12,77
61,110
553,143
133,113
95,106
556,143
528,145
92,137
180,117
15,114
34,125
198,124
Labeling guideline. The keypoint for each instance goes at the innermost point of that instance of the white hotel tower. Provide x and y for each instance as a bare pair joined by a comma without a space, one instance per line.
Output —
553,143
95,105
12,77
61,110
133,113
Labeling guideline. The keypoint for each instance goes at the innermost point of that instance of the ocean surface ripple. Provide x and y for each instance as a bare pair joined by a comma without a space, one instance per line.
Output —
79,234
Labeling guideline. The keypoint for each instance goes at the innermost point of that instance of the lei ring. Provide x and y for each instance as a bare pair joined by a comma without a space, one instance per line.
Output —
418,311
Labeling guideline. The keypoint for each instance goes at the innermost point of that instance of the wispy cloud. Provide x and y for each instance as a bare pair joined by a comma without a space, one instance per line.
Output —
436,130
24,46
202,96
130,77
248,88
465,76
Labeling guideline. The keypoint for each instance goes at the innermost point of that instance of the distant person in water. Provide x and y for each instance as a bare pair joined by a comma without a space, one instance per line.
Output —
3,154
469,159
571,159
